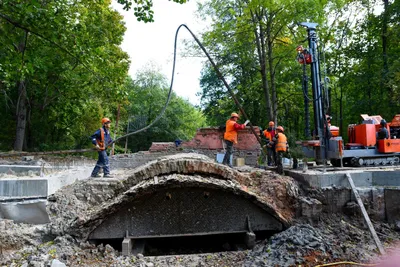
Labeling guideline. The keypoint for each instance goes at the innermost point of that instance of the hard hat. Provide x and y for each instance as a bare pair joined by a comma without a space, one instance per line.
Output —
280,128
383,122
105,120
271,123
235,115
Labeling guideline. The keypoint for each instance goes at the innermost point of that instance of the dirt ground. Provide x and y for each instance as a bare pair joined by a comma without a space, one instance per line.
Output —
330,238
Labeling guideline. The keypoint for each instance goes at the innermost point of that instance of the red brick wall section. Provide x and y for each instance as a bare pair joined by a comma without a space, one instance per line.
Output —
212,138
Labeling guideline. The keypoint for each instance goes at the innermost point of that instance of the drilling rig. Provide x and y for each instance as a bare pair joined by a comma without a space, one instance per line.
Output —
363,147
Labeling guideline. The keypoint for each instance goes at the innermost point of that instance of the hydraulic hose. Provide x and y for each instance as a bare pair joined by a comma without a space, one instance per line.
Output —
172,81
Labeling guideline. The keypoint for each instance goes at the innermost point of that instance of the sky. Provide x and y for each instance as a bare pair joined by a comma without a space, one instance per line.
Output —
154,43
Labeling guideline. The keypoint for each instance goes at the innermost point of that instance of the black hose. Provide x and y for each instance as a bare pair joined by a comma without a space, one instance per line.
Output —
172,81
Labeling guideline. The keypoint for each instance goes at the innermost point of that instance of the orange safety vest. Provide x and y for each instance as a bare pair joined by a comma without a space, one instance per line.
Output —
268,135
281,143
230,132
101,142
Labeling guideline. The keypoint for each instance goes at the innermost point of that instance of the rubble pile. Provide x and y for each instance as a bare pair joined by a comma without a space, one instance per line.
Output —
77,208
334,238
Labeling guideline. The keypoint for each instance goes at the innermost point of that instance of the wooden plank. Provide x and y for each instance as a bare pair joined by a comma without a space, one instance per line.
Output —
365,214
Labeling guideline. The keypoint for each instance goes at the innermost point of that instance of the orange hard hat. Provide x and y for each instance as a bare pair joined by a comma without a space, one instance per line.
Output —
271,123
235,115
280,128
105,120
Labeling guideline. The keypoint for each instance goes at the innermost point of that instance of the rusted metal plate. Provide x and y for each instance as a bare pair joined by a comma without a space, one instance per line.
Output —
185,211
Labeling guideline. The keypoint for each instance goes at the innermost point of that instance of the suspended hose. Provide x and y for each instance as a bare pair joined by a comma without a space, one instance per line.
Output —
163,109
172,81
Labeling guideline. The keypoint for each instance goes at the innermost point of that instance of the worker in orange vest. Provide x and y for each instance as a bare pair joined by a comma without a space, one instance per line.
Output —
101,139
269,134
230,136
281,147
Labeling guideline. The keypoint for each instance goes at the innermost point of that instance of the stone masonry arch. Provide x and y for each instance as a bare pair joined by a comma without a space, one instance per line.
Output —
86,208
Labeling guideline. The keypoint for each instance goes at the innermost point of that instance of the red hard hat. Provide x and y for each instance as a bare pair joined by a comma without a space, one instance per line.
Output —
280,128
235,115
105,120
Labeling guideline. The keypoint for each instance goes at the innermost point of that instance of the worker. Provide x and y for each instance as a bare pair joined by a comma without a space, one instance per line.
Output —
328,120
383,132
101,139
328,130
281,147
269,134
230,136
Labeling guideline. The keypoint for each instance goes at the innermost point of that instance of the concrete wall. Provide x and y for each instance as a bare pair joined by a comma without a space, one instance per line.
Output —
28,187
361,178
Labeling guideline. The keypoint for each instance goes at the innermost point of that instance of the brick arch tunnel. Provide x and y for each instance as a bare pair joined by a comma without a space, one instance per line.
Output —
178,196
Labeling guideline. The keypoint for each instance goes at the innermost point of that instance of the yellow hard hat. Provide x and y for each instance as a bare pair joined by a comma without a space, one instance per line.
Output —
235,115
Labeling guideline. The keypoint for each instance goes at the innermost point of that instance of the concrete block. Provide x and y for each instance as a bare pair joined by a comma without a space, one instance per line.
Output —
33,211
57,263
23,188
311,208
250,240
127,246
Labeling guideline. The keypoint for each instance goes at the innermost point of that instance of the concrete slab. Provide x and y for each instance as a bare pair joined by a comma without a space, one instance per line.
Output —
41,186
20,187
18,169
33,212
335,177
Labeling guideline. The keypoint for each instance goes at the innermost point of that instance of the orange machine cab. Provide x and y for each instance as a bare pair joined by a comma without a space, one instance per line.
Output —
363,134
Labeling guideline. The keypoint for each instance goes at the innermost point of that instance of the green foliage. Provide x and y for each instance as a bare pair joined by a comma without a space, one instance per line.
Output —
148,93
254,43
143,8
68,61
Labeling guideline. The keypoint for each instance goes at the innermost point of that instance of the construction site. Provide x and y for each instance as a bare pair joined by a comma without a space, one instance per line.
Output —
231,195
177,206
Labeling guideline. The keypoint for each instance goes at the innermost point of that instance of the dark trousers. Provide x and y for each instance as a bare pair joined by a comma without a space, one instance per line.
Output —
271,156
229,151
279,157
102,162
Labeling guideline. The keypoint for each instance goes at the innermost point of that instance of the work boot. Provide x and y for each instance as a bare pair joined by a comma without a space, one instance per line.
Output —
95,175
108,175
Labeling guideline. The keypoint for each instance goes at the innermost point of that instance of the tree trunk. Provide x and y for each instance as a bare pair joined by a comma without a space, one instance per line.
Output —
21,104
21,117
261,52
385,69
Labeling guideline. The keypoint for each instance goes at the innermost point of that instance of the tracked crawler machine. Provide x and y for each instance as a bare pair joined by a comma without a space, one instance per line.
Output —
363,148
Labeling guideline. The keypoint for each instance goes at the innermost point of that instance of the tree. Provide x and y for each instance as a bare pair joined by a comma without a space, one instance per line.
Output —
254,43
148,93
143,9
59,63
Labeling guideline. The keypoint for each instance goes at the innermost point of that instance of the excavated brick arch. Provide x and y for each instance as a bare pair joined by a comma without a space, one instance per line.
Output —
82,207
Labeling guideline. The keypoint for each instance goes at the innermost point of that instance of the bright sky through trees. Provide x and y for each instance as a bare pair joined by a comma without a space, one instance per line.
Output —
154,43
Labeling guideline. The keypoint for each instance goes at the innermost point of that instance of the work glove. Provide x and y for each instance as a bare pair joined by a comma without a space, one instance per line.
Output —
246,122
98,148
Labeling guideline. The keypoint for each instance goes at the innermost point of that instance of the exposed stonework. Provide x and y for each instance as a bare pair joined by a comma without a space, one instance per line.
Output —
209,141
79,208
